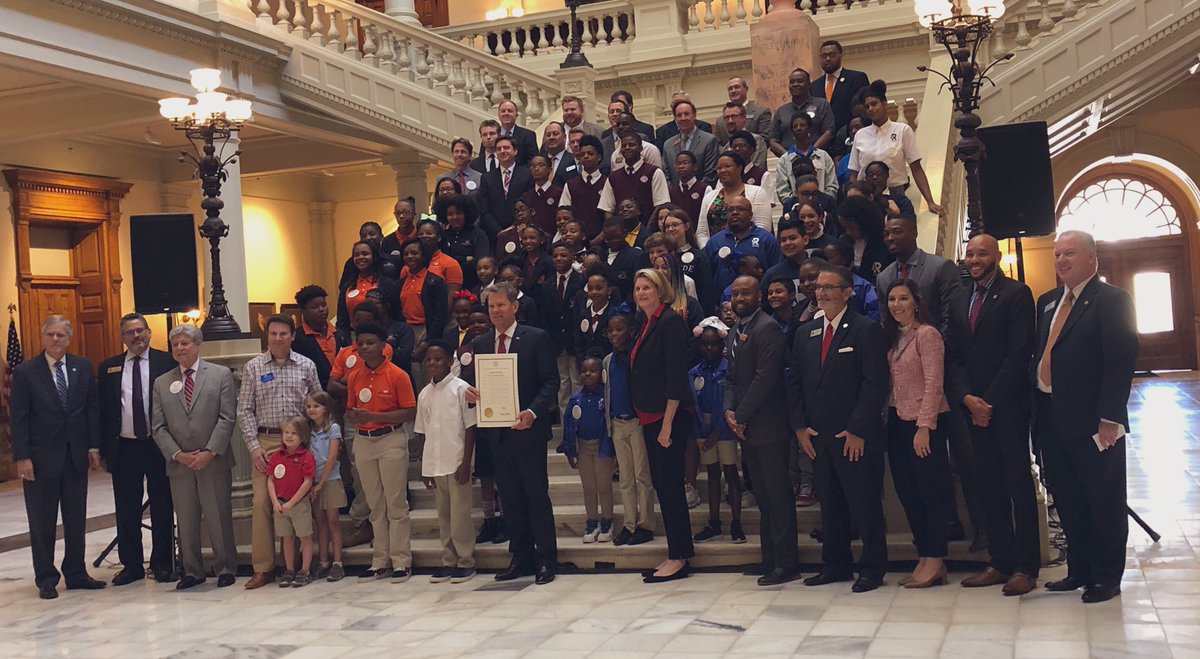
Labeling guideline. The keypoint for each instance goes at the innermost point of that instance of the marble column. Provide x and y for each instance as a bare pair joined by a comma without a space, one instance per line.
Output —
580,81
405,10
412,174
325,268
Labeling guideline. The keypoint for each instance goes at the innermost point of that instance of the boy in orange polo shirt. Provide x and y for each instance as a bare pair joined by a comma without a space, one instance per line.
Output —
379,401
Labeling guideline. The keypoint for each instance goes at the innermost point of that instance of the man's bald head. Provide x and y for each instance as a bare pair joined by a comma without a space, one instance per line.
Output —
982,256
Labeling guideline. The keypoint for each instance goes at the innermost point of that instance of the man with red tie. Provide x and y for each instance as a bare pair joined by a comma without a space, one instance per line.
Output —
838,85
463,174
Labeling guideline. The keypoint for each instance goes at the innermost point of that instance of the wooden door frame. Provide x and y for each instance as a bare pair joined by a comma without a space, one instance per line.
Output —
60,200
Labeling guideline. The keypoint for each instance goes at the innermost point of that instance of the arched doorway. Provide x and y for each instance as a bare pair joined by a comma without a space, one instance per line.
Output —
1141,216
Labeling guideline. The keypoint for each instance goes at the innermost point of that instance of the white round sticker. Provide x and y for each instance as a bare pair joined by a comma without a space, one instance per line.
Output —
395,252
176,387
471,185
724,252
687,257
466,358
695,195
280,470
364,395
351,361
645,179
510,247
699,382
352,293
550,201
576,412
584,325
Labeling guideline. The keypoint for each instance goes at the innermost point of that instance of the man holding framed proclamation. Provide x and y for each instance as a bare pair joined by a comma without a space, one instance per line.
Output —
516,393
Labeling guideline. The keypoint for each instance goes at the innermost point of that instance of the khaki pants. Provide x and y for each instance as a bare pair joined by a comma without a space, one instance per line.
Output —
360,510
383,465
455,527
262,529
637,492
596,474
417,369
568,380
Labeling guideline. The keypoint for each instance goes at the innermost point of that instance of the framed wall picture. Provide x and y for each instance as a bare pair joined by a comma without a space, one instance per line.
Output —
294,311
259,313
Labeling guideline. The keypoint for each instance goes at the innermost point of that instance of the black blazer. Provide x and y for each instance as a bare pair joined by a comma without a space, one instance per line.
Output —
849,83
307,346
537,377
109,382
595,339
626,264
1093,360
527,144
558,316
495,212
388,287
42,429
993,361
479,164
527,311
754,379
434,299
567,169
849,391
659,370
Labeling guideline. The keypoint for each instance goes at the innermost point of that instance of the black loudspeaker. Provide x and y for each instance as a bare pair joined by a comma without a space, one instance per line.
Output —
1016,183
163,249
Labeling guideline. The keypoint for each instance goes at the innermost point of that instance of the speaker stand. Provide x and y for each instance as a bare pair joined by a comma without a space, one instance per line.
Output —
1020,261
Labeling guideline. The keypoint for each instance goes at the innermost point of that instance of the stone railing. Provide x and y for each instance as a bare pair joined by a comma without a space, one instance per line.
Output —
411,53
1026,20
717,14
603,24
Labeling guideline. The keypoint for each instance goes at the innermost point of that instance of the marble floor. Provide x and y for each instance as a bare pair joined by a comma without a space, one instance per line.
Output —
615,615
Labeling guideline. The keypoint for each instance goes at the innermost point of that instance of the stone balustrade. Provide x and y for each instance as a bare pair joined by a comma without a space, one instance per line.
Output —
602,25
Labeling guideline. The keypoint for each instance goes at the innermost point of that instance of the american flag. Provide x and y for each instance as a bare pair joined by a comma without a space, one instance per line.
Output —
13,357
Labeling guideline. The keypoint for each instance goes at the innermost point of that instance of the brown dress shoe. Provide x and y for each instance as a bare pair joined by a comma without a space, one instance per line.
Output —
259,580
361,535
989,577
1019,584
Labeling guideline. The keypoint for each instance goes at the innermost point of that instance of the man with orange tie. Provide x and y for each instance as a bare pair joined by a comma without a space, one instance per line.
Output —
1087,347
837,85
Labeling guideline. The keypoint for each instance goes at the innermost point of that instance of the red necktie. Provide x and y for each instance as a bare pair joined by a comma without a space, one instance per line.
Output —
503,348
189,386
462,182
507,179
562,287
976,305
826,342
596,322
903,271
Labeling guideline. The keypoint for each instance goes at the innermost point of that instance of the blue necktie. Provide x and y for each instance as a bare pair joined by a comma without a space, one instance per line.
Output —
60,381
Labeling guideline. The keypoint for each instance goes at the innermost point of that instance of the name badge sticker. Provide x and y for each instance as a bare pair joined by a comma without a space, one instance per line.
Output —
846,349
1050,307
471,185
113,369
269,377
814,333
176,387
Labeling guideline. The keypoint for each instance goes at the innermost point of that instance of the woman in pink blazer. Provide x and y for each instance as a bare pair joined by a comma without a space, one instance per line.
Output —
916,443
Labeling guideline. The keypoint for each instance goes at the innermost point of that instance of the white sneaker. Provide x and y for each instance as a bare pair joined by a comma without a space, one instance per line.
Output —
693,497
605,533
591,532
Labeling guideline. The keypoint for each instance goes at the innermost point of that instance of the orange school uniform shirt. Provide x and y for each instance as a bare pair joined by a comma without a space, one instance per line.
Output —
384,389
343,364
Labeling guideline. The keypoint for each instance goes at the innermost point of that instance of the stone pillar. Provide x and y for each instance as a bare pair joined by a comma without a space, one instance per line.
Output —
581,81
412,173
405,10
784,40
324,259
176,197
233,354
233,246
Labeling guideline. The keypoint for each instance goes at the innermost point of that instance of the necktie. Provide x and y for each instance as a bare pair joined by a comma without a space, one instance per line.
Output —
904,270
596,322
491,163
629,170
829,81
562,288
507,179
60,381
503,347
189,387
1055,329
976,305
462,182
140,429
826,342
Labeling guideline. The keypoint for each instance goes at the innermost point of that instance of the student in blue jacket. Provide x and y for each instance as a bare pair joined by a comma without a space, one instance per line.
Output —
589,448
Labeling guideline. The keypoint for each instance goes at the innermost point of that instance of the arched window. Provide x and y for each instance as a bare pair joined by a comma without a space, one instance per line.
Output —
1121,207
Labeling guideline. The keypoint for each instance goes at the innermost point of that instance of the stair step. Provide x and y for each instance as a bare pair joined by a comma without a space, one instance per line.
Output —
565,490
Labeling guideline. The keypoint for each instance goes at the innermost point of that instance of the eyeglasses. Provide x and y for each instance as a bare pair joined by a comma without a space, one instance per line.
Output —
829,289
137,331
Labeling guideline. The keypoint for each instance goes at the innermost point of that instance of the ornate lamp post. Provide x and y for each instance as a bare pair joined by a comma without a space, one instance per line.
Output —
961,26
212,117
576,56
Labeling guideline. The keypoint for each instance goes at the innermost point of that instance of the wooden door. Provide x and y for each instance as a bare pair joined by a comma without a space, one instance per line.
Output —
434,13
1156,273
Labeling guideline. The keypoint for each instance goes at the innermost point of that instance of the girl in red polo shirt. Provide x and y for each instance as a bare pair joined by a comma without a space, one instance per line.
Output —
290,474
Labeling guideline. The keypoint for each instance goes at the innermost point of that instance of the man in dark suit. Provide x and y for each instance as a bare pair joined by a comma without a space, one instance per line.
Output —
554,146
489,130
689,136
988,349
1087,348
525,139
757,352
838,85
520,451
837,384
501,187
55,421
126,383
556,299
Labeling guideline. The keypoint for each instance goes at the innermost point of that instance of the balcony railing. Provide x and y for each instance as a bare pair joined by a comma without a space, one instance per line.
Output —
602,24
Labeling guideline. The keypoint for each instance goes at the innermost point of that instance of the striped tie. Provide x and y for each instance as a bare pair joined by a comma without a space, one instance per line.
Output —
189,386
60,381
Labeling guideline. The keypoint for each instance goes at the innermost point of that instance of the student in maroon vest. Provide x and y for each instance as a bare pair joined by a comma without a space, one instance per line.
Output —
689,193
582,193
543,199
636,180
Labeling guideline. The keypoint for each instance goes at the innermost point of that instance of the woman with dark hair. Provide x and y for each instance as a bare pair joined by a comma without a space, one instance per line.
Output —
681,238
429,232
462,240
366,275
917,417
664,404
877,175
744,143
687,306
811,213
892,143
423,298
446,187
712,218
862,224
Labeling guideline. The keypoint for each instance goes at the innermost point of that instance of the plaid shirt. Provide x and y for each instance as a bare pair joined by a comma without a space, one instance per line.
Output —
271,393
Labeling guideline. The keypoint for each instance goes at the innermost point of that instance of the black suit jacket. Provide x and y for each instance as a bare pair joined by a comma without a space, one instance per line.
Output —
754,379
1093,360
848,392
307,346
567,169
848,83
109,382
495,207
557,316
993,361
479,164
527,144
537,377
42,429
659,370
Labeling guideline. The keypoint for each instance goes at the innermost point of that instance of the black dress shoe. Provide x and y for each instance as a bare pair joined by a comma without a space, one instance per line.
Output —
757,570
225,580
822,578
1100,593
641,535
127,576
48,592
513,571
866,584
86,583
188,581
1064,585
778,576
165,576
623,537
544,575
683,573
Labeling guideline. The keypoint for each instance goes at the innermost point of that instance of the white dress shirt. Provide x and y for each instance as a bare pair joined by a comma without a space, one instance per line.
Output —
565,199
893,144
443,416
127,393
54,373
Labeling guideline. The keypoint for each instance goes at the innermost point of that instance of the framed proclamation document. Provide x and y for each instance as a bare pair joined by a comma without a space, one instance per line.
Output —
496,380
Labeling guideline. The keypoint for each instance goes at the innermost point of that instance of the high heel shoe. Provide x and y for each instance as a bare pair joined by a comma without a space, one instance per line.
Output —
904,581
938,579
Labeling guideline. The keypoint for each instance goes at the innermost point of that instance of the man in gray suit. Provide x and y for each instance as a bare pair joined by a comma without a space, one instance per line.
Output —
690,138
757,352
195,409
758,117
463,174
